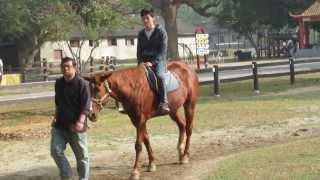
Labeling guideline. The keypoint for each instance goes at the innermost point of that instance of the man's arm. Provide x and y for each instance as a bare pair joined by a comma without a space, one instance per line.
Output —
162,52
85,99
56,101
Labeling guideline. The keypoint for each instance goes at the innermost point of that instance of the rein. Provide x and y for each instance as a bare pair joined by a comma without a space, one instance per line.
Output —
99,101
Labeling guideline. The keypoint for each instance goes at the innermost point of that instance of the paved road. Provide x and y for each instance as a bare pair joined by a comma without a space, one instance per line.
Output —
203,77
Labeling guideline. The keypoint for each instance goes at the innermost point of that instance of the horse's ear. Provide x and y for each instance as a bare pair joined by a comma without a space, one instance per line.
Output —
104,76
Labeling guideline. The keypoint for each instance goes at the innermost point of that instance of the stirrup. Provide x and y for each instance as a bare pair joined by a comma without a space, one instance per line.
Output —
163,109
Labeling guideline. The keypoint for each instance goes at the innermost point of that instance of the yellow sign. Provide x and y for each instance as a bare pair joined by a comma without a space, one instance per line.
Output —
11,79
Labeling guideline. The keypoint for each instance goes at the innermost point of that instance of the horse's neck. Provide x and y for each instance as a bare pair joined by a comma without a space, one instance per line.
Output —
123,83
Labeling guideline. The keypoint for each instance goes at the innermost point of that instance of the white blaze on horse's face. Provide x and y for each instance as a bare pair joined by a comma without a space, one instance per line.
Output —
99,99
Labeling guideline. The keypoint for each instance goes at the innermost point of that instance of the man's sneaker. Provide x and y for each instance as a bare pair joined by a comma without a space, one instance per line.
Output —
163,109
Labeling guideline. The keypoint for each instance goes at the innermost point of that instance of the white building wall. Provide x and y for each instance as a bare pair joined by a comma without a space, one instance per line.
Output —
121,51
188,41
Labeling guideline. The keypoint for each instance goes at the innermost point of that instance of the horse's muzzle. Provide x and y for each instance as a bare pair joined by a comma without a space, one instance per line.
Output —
93,116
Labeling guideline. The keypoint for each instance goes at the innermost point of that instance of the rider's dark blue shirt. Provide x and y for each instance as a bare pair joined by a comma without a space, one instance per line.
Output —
154,49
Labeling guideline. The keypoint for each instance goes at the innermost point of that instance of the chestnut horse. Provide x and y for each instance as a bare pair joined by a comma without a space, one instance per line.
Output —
131,88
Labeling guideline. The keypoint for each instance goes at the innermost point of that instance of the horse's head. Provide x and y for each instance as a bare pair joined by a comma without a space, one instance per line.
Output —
100,93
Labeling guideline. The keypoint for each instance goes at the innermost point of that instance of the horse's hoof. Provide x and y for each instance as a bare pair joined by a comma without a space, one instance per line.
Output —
135,175
152,167
184,160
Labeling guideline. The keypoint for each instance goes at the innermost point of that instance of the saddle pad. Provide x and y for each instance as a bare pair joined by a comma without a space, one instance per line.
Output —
171,81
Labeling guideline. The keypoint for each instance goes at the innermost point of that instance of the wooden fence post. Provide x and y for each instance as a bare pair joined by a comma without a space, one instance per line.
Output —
198,61
255,77
91,65
107,60
24,75
205,61
45,69
107,63
216,81
292,73
101,67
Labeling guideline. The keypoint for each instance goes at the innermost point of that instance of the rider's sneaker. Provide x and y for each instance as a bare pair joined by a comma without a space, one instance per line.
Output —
163,109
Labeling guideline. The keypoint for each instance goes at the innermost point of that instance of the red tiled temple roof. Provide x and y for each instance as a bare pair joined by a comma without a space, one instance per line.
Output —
313,10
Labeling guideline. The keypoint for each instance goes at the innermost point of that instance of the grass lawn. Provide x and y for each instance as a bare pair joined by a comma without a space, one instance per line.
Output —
298,160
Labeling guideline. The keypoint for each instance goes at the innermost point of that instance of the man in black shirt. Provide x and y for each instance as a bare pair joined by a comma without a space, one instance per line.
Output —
72,99
152,50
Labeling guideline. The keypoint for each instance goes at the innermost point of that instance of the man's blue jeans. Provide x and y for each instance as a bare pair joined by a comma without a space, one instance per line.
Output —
161,70
78,144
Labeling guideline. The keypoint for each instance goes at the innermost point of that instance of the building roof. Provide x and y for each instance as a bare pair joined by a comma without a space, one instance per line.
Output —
313,10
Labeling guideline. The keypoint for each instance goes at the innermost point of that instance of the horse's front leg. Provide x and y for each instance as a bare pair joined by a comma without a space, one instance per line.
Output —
152,166
138,147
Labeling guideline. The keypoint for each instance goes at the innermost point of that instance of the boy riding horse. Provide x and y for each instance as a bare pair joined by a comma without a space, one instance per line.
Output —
152,50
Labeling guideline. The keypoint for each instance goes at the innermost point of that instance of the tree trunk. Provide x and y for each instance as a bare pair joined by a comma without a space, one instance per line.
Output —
28,48
169,13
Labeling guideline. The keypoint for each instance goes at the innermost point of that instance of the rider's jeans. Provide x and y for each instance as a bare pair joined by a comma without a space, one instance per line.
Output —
161,69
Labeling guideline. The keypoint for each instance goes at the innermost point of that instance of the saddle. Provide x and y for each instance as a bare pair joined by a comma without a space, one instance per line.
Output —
171,81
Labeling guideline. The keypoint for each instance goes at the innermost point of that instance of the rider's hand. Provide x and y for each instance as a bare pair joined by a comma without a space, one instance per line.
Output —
149,64
53,121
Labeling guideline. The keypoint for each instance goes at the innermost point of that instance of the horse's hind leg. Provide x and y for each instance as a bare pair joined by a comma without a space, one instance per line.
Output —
182,130
189,109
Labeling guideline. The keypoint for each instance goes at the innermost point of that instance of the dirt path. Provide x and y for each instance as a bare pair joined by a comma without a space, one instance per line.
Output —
27,160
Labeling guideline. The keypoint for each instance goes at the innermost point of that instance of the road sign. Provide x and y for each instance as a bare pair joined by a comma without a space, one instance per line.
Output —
202,44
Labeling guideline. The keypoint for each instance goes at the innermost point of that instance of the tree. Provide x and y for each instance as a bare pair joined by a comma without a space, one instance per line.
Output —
30,23
96,18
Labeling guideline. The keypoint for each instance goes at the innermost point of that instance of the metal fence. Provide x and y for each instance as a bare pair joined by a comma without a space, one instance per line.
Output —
255,74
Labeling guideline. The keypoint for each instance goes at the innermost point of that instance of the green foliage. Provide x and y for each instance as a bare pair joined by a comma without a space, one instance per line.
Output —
57,22
250,15
136,5
57,19
187,14
17,18
29,23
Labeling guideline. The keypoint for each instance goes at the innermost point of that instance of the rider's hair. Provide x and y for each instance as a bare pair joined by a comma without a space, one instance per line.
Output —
146,11
67,59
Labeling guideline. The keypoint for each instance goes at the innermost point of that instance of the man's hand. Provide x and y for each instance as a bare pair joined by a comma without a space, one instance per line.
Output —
78,127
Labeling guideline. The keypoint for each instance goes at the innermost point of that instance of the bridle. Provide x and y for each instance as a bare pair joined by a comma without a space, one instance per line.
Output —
99,101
